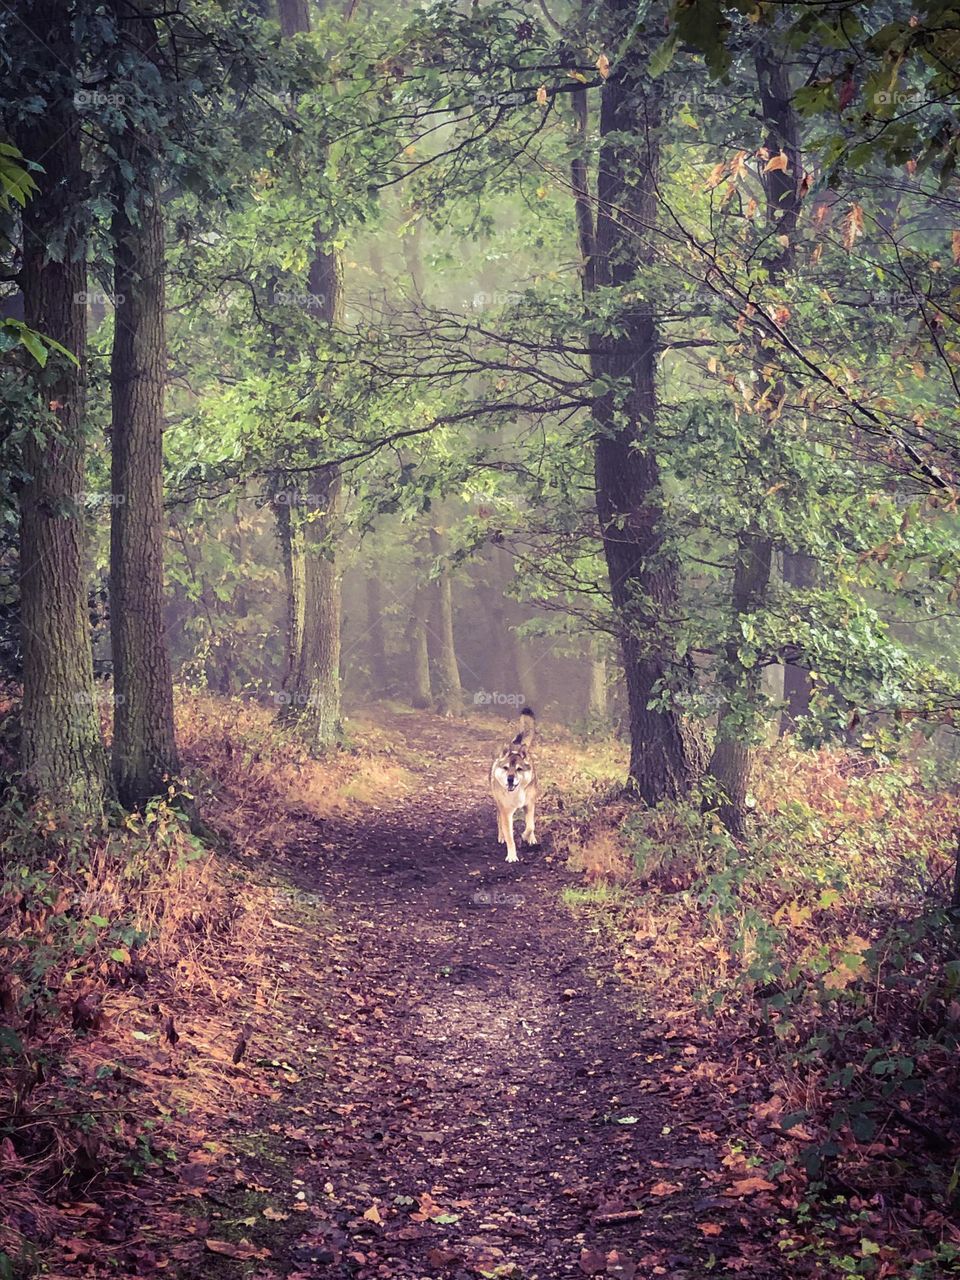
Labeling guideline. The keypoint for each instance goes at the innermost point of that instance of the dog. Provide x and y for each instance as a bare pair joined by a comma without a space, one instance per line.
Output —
513,785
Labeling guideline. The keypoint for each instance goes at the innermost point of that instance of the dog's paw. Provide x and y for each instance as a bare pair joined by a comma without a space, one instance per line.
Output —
512,857
531,843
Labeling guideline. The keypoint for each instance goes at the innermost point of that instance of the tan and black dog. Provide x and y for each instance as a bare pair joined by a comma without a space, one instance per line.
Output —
513,785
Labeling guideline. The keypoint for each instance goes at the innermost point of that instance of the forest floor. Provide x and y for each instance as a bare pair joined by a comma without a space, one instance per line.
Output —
359,1044
458,1084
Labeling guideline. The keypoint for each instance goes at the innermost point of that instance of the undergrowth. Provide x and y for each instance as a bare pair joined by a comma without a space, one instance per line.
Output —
822,957
133,969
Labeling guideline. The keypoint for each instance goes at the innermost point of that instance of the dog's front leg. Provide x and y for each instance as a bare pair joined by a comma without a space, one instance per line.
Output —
508,832
529,826
501,838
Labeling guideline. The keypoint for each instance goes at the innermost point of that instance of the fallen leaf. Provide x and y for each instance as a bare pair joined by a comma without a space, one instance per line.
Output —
665,1188
748,1186
242,1249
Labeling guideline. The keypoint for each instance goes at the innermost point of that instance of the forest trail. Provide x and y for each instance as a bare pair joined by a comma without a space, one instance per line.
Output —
462,1086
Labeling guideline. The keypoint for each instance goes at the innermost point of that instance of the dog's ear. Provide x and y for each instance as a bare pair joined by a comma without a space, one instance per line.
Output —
522,752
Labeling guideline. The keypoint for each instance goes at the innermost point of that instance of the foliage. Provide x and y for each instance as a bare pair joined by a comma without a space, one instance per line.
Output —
828,940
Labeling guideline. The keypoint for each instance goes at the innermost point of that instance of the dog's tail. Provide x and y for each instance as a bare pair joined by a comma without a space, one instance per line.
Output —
528,727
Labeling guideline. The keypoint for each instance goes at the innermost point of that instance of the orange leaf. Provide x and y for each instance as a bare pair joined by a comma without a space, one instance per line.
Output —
777,164
235,1249
749,1186
853,226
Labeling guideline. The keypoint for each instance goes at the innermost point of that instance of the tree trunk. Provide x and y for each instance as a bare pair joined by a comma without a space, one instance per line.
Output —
62,754
596,682
144,748
643,571
376,634
421,693
294,17
284,497
449,688
315,693
800,570
731,762
738,676
315,696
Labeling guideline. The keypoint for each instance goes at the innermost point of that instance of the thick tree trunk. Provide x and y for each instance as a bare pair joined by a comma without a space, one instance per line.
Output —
62,753
740,679
644,573
376,635
144,748
800,570
449,688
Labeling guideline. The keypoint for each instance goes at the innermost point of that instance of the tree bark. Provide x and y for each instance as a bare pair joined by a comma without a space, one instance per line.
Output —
421,693
144,747
294,17
284,497
644,572
62,753
315,693
596,708
732,760
449,688
800,570
740,679
315,696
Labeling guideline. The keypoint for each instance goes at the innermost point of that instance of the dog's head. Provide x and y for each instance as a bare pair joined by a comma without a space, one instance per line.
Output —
513,768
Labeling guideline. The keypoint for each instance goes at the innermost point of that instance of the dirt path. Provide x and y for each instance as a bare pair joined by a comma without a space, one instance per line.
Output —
467,1093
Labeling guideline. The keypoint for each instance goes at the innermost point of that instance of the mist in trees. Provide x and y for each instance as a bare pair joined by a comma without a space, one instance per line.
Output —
462,358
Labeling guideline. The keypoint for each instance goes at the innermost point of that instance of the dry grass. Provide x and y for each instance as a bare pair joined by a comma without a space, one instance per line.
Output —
257,780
